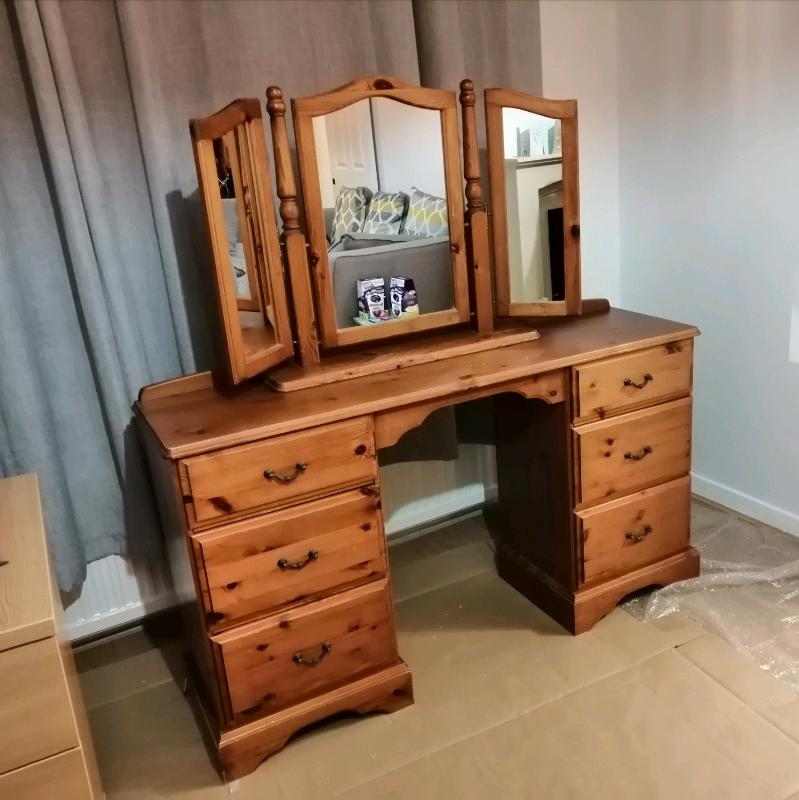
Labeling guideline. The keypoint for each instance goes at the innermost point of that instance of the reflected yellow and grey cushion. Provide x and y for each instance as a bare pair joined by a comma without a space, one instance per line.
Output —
386,212
350,212
427,215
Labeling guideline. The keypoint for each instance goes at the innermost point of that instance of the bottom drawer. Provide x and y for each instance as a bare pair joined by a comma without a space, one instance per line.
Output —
273,662
62,776
625,534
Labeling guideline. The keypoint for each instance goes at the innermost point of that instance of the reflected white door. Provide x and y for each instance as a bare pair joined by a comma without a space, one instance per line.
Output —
351,147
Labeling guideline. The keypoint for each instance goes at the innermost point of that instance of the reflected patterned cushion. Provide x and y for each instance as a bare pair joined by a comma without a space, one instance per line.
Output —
386,212
427,215
350,212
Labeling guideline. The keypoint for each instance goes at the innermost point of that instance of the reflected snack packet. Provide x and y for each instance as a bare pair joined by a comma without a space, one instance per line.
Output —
404,301
372,299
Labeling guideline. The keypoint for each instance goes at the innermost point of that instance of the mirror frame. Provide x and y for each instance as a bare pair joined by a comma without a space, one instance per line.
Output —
242,122
304,110
566,112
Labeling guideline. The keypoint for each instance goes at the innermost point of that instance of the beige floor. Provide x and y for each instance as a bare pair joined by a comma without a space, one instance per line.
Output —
508,705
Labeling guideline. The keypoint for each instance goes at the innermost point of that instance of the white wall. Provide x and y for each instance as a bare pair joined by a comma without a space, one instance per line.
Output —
578,54
409,147
709,197
323,162
526,245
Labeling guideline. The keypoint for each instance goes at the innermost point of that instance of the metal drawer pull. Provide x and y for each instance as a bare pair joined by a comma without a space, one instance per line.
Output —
639,537
630,382
270,474
312,556
645,452
299,658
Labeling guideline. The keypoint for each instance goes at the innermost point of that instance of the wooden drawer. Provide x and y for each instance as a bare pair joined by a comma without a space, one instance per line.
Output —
35,715
280,470
332,543
273,662
605,388
62,776
632,452
628,533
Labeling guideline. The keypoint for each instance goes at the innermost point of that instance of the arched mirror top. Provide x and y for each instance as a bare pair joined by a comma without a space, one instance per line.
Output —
375,86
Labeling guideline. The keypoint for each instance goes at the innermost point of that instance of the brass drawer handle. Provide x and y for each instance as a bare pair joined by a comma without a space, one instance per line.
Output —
645,452
631,382
299,658
285,564
270,474
639,537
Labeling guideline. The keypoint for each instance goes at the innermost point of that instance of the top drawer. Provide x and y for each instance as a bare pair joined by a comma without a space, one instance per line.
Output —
631,381
279,470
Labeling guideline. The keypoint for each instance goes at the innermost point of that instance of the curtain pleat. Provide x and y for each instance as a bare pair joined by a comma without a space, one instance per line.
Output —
101,237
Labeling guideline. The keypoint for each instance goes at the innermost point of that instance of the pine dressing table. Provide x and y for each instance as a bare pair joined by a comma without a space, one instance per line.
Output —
269,491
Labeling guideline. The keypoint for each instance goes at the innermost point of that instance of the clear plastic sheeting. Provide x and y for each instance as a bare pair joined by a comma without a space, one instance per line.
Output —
748,590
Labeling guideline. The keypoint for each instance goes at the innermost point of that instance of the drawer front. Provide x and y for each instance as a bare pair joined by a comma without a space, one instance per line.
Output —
626,534
287,556
62,776
631,452
280,470
631,381
35,715
273,662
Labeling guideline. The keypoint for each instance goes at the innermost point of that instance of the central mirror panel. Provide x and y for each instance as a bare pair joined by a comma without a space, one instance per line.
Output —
384,197
384,231
534,195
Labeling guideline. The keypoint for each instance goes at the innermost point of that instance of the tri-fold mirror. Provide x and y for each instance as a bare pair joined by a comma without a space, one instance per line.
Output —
381,178
532,157
390,250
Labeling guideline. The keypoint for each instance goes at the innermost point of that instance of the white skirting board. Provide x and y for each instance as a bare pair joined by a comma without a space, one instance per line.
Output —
745,504
119,592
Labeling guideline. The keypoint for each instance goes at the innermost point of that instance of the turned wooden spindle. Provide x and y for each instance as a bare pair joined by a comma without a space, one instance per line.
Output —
284,172
471,154
476,218
294,246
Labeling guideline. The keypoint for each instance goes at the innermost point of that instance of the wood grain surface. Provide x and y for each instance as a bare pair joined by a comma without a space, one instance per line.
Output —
204,419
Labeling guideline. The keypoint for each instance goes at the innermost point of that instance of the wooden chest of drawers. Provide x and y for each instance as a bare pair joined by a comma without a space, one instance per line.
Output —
286,546
576,547
46,747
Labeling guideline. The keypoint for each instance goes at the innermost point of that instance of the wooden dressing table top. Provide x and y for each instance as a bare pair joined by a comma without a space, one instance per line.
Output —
189,416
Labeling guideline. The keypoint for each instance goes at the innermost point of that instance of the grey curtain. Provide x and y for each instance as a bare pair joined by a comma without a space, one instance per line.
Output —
101,245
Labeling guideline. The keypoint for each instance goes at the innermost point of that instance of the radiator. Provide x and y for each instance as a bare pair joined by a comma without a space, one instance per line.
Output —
422,492
120,591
